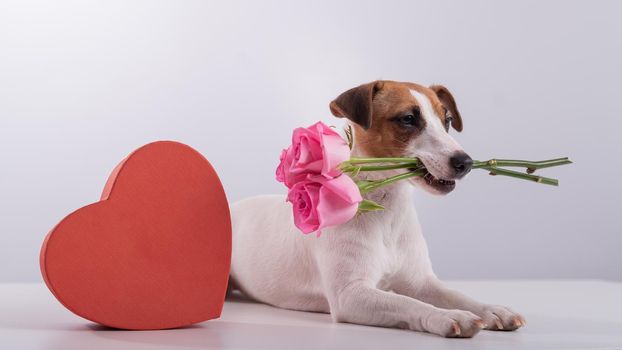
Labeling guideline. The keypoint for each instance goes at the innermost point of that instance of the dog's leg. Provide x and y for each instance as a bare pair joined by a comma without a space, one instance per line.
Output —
434,292
361,303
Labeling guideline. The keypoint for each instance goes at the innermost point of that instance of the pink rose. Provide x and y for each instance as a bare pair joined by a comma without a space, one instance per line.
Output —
314,150
320,202
280,172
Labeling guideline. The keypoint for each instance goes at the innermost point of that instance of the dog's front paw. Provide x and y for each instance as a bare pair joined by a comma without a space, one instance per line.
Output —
501,318
454,323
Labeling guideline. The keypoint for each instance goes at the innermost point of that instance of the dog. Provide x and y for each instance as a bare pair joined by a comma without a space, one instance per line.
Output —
375,269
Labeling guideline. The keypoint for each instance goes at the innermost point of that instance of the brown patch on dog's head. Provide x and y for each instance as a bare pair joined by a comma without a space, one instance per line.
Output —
446,98
381,109
395,119
356,104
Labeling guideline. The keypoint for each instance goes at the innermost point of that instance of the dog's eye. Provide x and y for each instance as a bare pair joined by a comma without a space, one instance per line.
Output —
409,120
448,120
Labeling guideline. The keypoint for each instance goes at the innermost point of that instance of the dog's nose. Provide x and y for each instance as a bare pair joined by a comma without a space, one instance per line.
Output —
461,163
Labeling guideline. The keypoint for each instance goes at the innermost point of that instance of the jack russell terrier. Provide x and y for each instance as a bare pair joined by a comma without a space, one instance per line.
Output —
375,269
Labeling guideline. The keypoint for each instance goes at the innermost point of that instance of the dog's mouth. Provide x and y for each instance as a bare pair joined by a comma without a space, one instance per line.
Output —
440,185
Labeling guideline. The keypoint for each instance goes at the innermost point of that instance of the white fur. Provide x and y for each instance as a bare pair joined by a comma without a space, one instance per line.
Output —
434,145
374,270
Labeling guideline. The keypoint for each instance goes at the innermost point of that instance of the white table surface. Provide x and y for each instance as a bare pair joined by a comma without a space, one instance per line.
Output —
561,315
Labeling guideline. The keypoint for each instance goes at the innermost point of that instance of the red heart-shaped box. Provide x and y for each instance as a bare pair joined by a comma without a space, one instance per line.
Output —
154,252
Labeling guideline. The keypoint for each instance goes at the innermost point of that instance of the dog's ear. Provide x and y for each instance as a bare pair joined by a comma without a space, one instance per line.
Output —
356,104
448,102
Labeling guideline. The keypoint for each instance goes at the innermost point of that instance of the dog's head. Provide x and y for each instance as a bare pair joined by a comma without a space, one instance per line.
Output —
395,119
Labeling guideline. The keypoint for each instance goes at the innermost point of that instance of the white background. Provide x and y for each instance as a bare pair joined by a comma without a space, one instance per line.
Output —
82,83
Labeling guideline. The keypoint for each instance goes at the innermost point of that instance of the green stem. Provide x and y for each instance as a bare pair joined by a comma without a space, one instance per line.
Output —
519,175
530,165
380,167
382,160
372,185
492,165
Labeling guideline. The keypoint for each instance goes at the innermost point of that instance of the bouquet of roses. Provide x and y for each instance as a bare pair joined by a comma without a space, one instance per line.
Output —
319,174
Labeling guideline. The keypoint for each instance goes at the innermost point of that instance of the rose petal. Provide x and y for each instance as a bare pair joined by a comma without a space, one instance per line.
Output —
343,186
280,172
304,197
333,209
336,151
